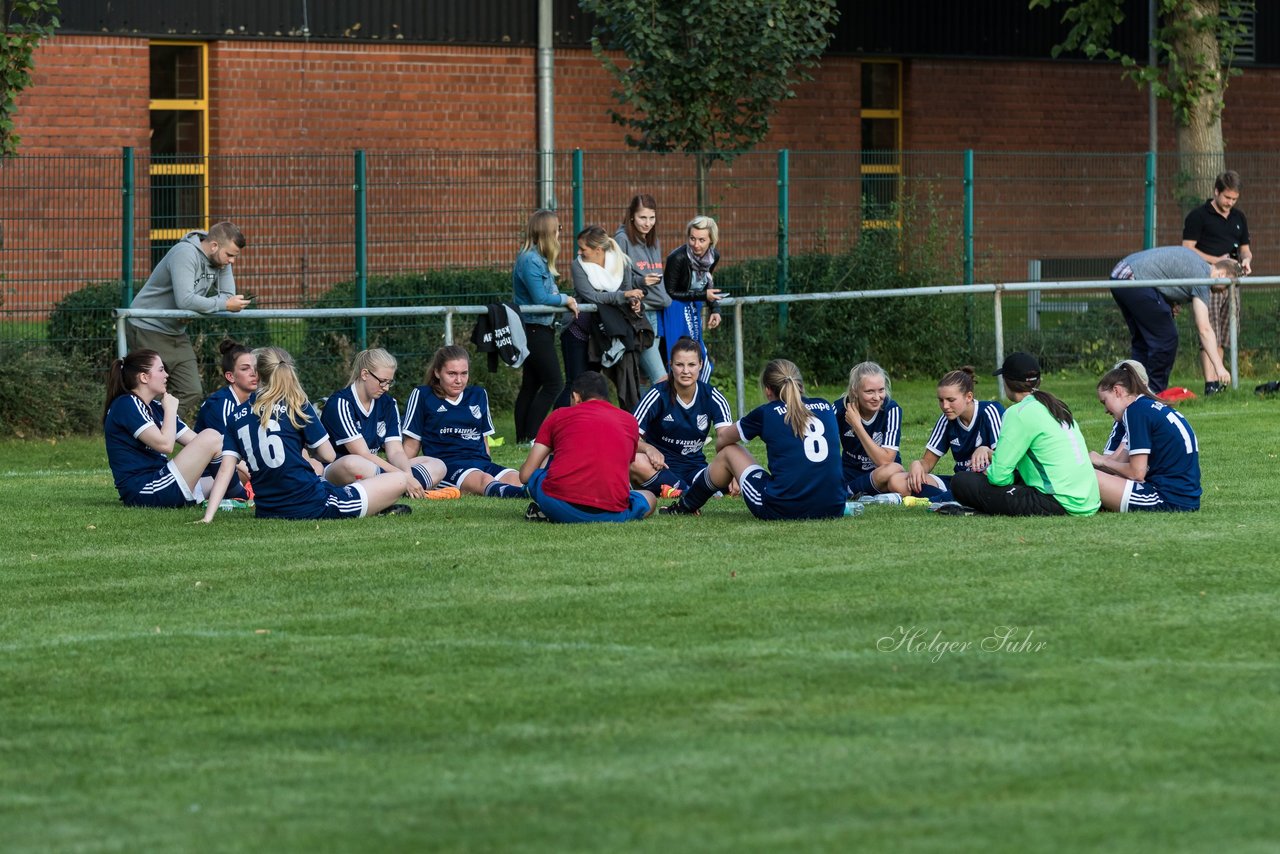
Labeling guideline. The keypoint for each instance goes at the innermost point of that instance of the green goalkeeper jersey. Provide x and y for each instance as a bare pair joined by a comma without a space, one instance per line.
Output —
1047,455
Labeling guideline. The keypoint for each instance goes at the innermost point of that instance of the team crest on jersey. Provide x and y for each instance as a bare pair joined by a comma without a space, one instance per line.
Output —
702,422
475,412
382,429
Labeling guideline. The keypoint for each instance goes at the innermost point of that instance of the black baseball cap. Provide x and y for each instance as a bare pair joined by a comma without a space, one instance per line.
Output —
1020,367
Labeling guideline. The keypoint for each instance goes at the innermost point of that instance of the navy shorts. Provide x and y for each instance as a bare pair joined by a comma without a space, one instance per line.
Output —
562,511
1145,497
165,489
753,482
861,485
459,469
339,502
686,472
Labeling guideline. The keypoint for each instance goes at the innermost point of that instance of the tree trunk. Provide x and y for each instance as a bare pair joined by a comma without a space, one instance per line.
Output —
1199,129
701,161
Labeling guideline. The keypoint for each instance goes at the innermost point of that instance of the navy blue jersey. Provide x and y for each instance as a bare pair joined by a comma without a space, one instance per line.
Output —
450,429
805,478
284,484
216,409
133,464
346,419
1116,440
963,439
884,428
679,431
1173,454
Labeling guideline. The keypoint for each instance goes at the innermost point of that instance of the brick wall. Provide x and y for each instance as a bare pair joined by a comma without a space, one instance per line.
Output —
285,117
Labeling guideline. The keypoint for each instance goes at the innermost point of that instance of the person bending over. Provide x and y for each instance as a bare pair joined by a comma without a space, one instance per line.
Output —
1149,312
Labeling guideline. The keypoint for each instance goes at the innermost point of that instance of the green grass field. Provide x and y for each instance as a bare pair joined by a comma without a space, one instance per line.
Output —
462,680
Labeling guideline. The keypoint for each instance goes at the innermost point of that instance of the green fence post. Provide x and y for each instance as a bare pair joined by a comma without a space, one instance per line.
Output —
362,250
127,199
579,217
784,234
968,237
1149,217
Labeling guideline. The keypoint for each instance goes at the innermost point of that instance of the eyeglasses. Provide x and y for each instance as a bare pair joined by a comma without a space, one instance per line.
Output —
385,384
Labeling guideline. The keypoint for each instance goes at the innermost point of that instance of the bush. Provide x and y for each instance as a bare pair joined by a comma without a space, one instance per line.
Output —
918,336
921,336
45,393
83,329
81,325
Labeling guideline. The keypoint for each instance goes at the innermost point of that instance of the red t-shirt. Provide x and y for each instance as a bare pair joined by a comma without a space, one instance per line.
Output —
593,445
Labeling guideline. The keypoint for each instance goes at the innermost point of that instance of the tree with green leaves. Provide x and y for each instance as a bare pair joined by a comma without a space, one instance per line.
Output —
705,78
26,23
1195,42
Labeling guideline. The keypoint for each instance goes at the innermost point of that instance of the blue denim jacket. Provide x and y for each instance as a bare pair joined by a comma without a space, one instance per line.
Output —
533,284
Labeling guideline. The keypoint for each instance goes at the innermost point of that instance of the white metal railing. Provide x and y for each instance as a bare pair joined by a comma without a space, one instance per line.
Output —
736,303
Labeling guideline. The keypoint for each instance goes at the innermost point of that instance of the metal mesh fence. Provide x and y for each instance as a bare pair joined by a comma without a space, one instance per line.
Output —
444,226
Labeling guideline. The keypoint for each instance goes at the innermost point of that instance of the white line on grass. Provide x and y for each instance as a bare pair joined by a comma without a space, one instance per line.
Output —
58,473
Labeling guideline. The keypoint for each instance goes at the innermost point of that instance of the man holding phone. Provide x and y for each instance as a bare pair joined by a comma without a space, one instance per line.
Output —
195,275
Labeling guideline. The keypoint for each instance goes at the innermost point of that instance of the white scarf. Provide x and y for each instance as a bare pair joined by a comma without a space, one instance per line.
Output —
607,278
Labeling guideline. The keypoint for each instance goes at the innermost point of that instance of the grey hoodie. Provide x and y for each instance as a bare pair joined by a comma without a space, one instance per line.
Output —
645,260
183,279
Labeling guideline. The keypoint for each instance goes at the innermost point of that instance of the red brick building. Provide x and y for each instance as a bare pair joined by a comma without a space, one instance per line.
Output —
256,117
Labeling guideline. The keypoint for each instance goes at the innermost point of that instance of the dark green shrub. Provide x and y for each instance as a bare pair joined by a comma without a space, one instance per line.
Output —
921,336
45,393
916,336
81,327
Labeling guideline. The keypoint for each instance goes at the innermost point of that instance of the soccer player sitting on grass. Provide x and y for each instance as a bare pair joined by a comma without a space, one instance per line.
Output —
270,433
141,425
591,444
871,432
968,428
449,420
1040,467
675,417
1159,466
362,419
240,370
801,436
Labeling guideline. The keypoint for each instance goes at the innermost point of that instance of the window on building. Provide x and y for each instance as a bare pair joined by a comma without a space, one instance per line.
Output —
881,116
179,142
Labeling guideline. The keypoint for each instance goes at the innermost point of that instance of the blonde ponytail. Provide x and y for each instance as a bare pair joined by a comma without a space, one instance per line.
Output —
278,383
783,379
